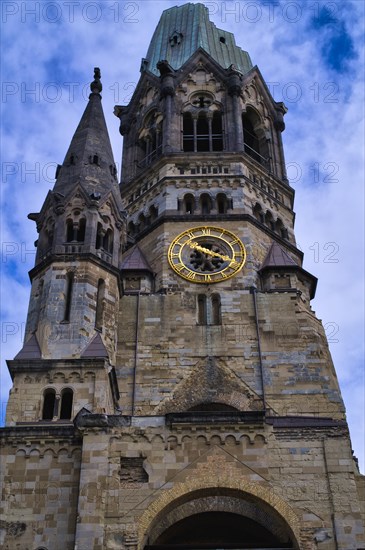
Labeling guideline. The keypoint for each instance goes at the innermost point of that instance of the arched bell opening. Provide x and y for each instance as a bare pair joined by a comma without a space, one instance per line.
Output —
223,518
254,137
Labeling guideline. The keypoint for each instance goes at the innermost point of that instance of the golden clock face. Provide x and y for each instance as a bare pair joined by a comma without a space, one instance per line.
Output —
206,254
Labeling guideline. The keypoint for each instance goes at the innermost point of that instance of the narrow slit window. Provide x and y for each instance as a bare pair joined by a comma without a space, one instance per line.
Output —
216,309
108,241
68,297
202,309
99,236
100,296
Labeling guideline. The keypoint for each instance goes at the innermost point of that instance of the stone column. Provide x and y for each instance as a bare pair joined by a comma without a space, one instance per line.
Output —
195,124
234,90
92,489
210,118
167,89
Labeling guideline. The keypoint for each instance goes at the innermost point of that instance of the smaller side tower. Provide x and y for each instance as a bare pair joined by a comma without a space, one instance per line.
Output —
70,329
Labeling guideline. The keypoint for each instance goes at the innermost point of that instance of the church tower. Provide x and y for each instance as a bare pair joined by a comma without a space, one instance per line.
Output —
175,388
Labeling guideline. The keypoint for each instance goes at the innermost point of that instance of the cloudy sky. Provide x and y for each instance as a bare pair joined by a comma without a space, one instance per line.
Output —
310,54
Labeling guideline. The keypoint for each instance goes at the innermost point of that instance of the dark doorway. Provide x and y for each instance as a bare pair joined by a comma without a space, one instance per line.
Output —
217,530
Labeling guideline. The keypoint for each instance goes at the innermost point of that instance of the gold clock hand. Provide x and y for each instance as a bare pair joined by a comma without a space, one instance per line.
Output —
196,246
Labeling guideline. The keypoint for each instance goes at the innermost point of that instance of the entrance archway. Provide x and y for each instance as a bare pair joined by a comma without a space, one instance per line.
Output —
219,517
212,530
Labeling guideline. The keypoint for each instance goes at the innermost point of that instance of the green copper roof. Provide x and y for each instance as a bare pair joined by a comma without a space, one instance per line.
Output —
184,29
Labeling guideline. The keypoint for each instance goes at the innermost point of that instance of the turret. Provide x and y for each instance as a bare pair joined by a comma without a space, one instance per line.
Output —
75,278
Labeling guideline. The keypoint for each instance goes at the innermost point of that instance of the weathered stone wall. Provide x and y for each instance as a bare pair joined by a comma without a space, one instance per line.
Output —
39,488
127,484
169,343
58,338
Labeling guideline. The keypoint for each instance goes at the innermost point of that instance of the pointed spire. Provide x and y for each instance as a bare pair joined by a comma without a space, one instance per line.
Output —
89,159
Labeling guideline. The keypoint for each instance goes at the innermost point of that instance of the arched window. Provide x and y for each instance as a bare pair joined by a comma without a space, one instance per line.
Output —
254,137
203,131
189,204
108,241
68,296
99,236
141,222
66,404
69,231
222,203
153,213
205,203
216,310
151,137
250,139
202,309
269,221
209,309
100,297
81,230
131,229
49,401
258,213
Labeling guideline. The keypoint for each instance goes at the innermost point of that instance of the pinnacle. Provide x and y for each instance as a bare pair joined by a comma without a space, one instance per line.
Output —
89,159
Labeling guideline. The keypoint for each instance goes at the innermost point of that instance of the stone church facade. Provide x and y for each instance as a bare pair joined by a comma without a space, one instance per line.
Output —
175,388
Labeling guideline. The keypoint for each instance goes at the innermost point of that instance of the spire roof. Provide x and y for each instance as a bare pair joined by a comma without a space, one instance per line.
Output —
89,159
95,348
277,257
182,30
134,260
30,350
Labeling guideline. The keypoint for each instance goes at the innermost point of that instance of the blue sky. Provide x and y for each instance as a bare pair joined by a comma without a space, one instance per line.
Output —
311,55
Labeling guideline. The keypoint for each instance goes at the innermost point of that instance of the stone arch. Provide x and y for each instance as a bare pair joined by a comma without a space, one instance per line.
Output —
150,136
21,452
156,440
226,504
215,440
76,454
224,484
188,204
172,442
230,440
49,452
